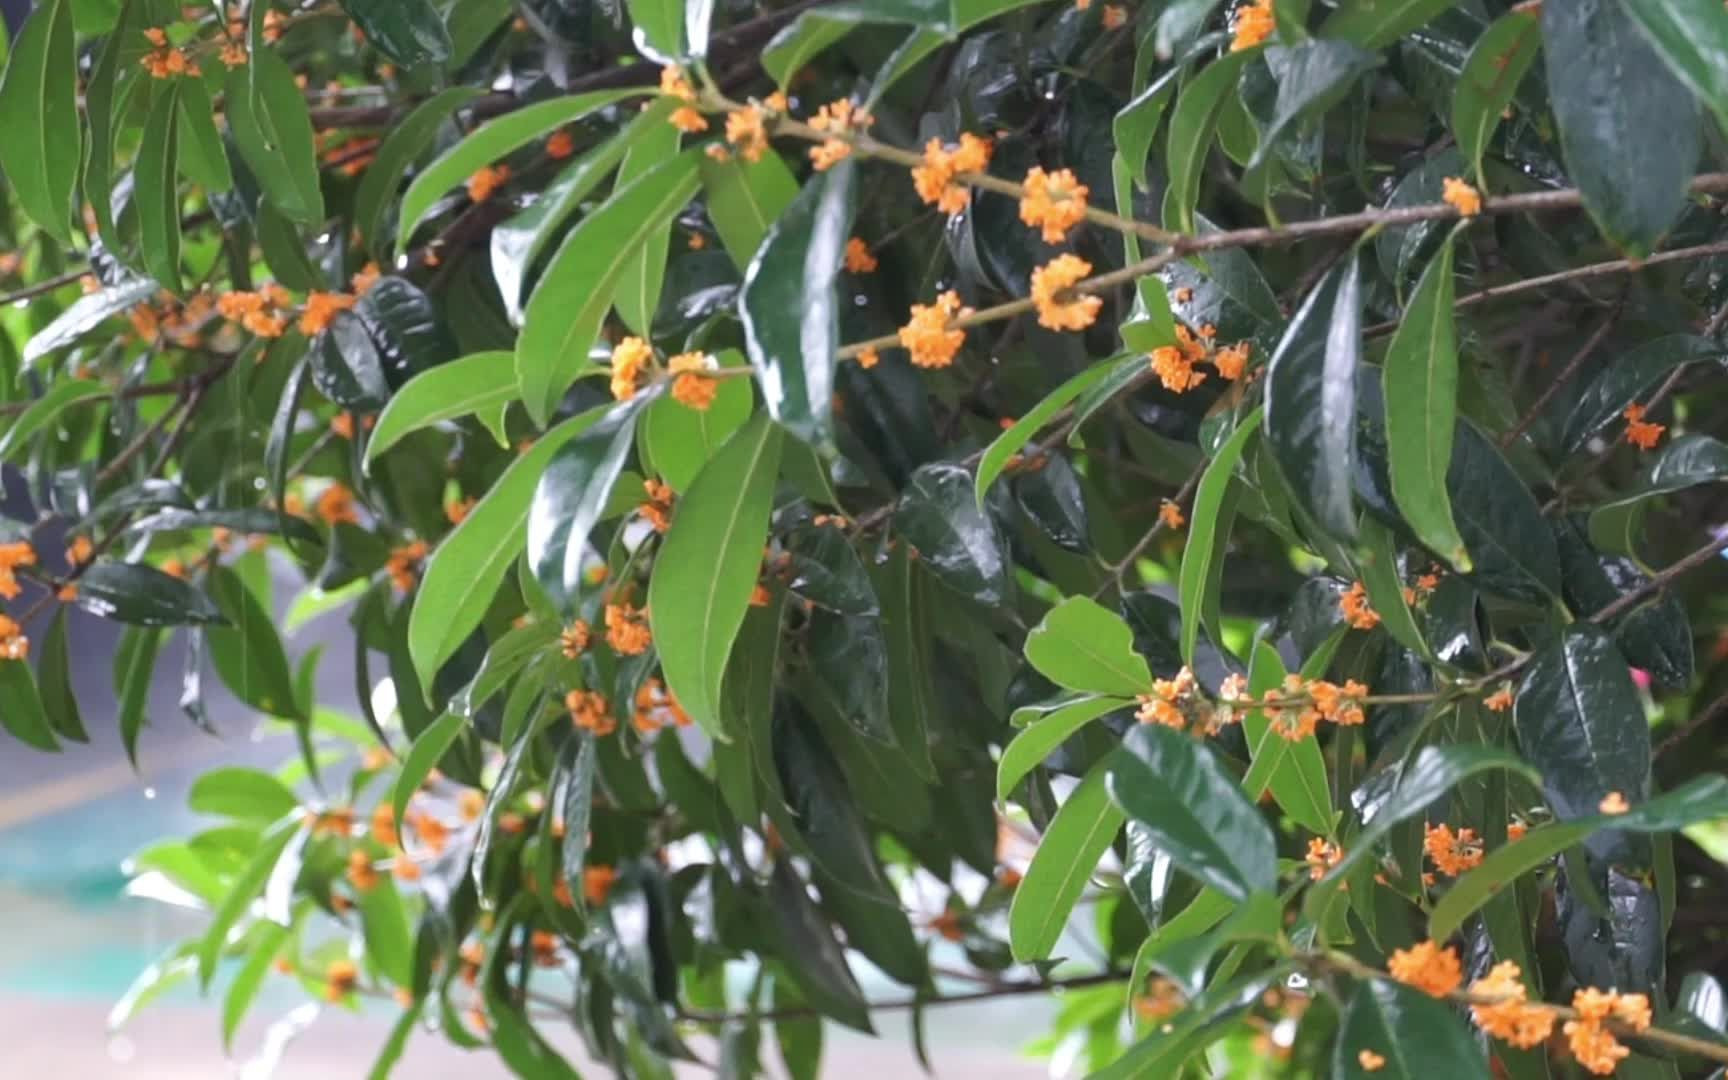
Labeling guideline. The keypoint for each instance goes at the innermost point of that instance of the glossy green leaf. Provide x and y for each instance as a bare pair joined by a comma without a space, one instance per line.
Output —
1083,646
659,29
407,141
1580,721
202,157
707,568
1136,125
1192,124
1415,1036
1067,855
1630,150
1377,559
1631,376
572,493
422,757
1687,461
248,652
1294,771
823,567
565,314
1377,25
1705,798
848,663
789,307
134,665
794,46
250,520
1691,36
680,440
800,1040
54,682
271,126
143,596
1311,399
244,889
637,295
45,410
21,711
473,384
1501,523
467,567
106,93
1208,534
409,32
1175,786
1014,439
1315,75
489,143
1041,738
813,958
39,113
261,953
1420,380
745,199
955,540
84,315
389,938
241,793
1497,63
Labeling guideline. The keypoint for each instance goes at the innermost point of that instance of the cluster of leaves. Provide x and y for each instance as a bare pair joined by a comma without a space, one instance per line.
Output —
801,656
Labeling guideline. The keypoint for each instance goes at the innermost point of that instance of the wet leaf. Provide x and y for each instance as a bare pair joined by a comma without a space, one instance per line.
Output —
955,540
1311,399
1066,857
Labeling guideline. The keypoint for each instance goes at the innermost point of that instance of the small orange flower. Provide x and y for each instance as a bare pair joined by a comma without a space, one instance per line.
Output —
629,357
1354,605
1613,803
144,321
470,804
1175,369
759,596
1511,1019
867,357
697,241
1461,197
1500,700
364,278
560,145
340,977
457,512
934,179
573,639
1515,831
1170,701
927,335
80,550
1453,853
597,883
627,629
13,644
686,119
1427,967
403,562
1254,24
404,868
484,183
321,309
692,384
1051,282
1640,433
859,260
1171,515
233,54
747,133
1232,360
590,711
342,425
383,815
674,83
1054,202
841,121
1322,857
361,873
657,511
1370,1061
336,506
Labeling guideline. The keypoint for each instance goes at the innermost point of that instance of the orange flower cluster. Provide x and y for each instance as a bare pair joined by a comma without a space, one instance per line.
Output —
934,179
402,563
627,629
747,131
1500,700
364,278
1297,707
1639,432
1232,360
1171,514
336,506
361,873
12,556
1453,853
1613,803
1322,856
1054,202
486,182
560,145
927,335
1354,605
692,384
656,708
629,357
341,976
1163,998
1174,364
165,61
685,117
859,260
657,511
13,644
841,121
590,711
573,639
1461,196
1593,1044
1512,1018
597,884
1170,701
321,309
233,54
259,312
1056,278
1428,968
1254,24
868,357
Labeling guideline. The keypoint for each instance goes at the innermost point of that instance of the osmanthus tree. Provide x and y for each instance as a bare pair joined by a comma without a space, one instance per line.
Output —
1199,512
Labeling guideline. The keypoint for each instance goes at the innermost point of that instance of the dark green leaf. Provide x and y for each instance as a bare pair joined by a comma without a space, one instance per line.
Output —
21,711
1692,37
1375,26
84,315
1629,378
1137,124
1502,525
659,29
54,680
1316,74
807,947
1049,495
959,544
111,83
1067,855
816,791
1417,1036
134,664
203,157
1208,534
268,118
825,569
808,35
39,114
572,492
1496,65
248,652
144,596
1192,124
848,658
404,145
409,32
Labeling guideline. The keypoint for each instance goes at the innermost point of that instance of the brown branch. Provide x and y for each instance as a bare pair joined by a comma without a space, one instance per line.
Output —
1145,541
1566,375
1707,715
30,292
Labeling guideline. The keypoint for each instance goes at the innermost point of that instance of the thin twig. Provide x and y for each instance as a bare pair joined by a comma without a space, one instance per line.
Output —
1007,989
29,292
1707,715
1119,568
1566,375
137,445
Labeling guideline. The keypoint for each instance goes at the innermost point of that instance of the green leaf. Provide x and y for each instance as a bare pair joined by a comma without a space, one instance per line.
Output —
1312,77
112,81
1041,738
794,46
465,571
823,567
800,1040
680,440
422,757
1194,810
789,306
488,143
1137,123
268,118
254,972
745,199
807,947
637,295
659,29
518,242
54,681
134,664
252,519
475,383
1687,461
21,711
572,492
1580,721
1294,771
1003,448
1377,25
1311,399
848,664
1704,798
389,938
1377,559
706,571
409,32
1067,855
151,983
955,540
1416,1035
244,889
1509,542
45,410
1691,36
1208,534
283,250
144,596
1496,65
241,793
1628,128
1192,124
1083,646
569,305
1420,380
1629,378
203,157
396,154
248,651
794,759
39,114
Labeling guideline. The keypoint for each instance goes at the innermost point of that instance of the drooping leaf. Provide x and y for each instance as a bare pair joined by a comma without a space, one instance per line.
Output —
1192,124
203,157
421,758
1315,75
789,307
1629,378
955,540
473,384
39,113
572,491
1496,65
1411,1034
249,980
21,711
409,32
134,664
243,891
84,315
1208,533
637,295
813,958
54,682
400,149
707,569
1067,855
1043,736
154,189
143,596
268,118
1016,436
823,567
248,652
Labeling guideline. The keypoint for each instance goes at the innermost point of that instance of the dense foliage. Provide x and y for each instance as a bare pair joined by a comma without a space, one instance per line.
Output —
1176,507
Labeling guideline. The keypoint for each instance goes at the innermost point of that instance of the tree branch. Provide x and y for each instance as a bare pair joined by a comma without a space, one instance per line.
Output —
1000,990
